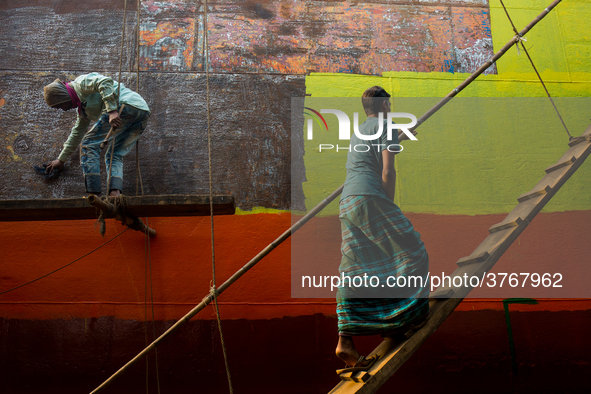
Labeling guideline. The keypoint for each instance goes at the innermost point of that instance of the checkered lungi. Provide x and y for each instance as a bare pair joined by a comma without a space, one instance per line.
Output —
378,240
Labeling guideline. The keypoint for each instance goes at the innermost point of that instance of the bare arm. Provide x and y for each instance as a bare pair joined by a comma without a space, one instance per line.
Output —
388,174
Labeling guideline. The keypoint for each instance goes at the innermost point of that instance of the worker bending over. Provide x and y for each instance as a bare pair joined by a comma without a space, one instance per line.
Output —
96,99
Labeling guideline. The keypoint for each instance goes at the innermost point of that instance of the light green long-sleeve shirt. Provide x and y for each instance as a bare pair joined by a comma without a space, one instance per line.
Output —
99,94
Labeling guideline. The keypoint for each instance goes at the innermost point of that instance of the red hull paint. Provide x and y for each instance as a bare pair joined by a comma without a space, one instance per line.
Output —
111,281
68,332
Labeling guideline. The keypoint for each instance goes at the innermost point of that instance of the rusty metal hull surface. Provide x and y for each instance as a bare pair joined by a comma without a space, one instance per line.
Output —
250,138
287,36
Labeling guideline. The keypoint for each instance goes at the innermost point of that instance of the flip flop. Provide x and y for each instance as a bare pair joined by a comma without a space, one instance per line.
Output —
372,360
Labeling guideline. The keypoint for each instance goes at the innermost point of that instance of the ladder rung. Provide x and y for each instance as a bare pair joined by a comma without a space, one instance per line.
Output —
578,140
505,225
361,376
346,376
537,193
560,165
358,376
471,260
442,293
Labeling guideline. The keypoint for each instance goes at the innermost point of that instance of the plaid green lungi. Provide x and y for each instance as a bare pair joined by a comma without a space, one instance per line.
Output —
379,241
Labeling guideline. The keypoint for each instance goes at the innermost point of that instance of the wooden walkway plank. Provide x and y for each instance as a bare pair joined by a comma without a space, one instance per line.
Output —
480,261
79,208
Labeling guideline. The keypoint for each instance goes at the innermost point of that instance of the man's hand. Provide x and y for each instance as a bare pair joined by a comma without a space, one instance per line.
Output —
114,119
56,164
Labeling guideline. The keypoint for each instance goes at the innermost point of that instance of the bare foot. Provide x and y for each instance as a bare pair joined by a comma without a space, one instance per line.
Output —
346,351
115,193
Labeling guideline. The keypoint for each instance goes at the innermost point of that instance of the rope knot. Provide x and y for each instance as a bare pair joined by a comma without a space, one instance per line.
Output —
519,39
117,205
213,291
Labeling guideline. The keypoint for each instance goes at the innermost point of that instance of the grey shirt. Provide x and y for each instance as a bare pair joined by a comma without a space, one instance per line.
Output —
364,169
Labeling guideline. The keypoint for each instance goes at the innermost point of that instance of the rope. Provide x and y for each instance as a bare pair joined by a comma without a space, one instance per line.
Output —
146,341
119,204
62,267
149,264
147,249
111,164
122,45
137,52
213,290
519,39
118,90
138,173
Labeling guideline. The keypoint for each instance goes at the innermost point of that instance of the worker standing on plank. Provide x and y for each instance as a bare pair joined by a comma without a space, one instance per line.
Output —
378,241
98,98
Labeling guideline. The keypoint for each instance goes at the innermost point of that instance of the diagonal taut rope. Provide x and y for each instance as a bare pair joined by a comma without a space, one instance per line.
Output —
520,41
64,266
483,68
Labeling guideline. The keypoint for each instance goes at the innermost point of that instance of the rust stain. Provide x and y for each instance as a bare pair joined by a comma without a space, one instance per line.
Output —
167,36
352,38
472,39
298,37
168,45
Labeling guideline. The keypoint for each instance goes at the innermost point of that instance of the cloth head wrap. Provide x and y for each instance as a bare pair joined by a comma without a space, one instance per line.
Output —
59,92
56,93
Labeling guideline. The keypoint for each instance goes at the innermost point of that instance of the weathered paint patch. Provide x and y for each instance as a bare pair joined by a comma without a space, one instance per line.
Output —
299,37
473,44
167,35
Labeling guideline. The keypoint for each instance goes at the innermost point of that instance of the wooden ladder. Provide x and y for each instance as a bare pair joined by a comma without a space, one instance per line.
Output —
482,259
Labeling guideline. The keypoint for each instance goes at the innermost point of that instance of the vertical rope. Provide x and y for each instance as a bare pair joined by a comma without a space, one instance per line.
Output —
118,91
111,163
152,302
138,179
122,45
138,174
146,309
520,41
137,52
213,289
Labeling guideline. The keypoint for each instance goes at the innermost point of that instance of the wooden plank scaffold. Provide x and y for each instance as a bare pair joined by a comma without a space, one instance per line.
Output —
80,208
135,207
